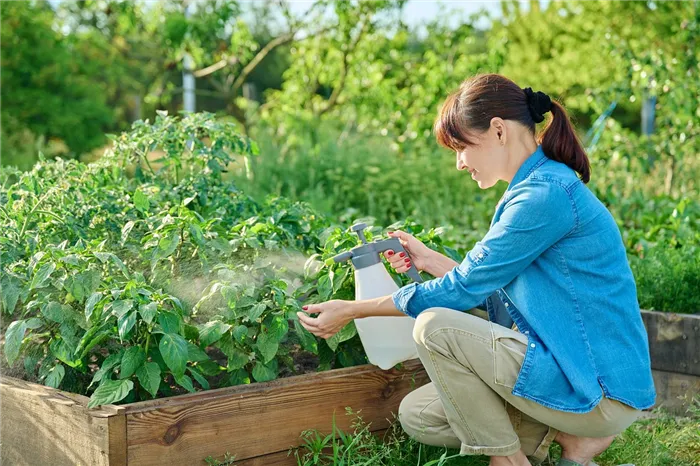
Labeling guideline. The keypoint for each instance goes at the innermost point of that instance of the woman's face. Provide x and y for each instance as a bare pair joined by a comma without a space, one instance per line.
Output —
484,159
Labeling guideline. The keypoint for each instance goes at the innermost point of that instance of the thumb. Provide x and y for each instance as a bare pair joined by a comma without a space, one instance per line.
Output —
400,234
312,308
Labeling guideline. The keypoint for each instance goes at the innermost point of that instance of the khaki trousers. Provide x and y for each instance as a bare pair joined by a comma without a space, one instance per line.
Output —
473,365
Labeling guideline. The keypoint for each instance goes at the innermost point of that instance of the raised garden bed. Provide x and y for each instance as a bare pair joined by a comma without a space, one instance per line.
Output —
259,422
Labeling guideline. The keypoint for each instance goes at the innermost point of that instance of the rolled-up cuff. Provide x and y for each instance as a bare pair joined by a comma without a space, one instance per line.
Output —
542,451
401,298
504,450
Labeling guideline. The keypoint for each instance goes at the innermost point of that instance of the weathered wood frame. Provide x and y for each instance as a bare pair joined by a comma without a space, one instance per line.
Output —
259,422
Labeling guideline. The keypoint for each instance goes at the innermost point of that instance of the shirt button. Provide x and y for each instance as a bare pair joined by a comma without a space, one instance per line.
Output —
506,304
527,332
532,345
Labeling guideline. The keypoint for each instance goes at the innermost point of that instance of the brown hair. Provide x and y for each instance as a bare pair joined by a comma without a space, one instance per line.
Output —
485,96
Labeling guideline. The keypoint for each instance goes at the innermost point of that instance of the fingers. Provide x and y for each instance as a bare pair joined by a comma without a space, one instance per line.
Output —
310,324
306,321
400,262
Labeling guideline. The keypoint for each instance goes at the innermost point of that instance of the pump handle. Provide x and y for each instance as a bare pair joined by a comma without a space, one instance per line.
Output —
395,245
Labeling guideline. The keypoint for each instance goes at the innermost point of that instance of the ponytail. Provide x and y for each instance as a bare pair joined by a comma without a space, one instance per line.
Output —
560,142
485,96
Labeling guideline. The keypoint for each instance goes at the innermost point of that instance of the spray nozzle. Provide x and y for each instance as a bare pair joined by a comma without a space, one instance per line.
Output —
359,229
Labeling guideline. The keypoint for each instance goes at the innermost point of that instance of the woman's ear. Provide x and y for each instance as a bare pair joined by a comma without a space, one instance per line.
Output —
499,126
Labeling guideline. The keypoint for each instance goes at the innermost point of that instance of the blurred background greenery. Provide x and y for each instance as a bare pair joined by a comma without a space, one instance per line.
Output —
341,96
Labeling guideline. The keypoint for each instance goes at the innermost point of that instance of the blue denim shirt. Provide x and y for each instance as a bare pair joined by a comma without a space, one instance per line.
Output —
554,261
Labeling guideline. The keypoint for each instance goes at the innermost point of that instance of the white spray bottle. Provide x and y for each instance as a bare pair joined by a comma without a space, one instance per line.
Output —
387,340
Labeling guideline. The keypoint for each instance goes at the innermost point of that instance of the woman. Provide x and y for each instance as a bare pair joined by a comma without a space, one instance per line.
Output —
575,368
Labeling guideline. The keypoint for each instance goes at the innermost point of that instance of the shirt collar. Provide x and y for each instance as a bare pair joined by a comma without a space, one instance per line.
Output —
533,161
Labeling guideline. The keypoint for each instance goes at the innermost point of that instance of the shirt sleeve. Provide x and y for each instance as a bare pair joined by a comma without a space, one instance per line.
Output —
536,217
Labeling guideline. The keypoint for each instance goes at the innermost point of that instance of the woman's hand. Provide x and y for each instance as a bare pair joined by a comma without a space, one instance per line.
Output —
333,315
421,255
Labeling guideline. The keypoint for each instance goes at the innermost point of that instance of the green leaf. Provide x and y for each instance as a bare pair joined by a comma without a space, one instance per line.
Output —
13,339
121,307
106,370
306,338
211,332
169,321
278,326
325,287
34,323
240,332
9,294
125,323
108,256
338,281
190,332
141,201
110,391
256,311
199,378
83,284
91,303
126,229
54,312
344,334
236,359
264,372
168,244
209,368
185,382
239,377
149,377
195,353
42,275
173,348
55,376
68,331
197,235
133,358
267,344
62,350
148,311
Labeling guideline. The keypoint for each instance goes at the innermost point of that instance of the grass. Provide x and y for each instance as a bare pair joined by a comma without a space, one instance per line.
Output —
658,440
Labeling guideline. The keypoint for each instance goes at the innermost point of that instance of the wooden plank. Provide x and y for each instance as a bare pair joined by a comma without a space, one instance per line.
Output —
675,391
42,425
263,418
674,341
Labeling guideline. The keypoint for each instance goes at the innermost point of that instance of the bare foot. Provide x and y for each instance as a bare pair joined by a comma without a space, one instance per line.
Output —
582,449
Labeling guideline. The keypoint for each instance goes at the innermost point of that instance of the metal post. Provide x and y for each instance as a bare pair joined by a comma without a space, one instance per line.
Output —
188,86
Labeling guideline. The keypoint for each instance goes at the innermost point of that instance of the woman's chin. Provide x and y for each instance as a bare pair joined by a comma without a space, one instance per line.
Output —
484,184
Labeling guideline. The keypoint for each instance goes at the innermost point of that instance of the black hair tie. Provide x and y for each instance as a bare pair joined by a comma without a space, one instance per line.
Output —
538,103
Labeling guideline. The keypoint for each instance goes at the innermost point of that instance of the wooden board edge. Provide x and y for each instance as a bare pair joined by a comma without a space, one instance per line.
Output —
409,368
55,395
674,341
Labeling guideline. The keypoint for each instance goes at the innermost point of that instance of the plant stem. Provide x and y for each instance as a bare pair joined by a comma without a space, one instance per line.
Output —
148,341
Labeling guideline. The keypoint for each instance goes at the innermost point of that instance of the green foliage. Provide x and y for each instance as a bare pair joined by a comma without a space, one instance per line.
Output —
139,278
47,90
669,278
